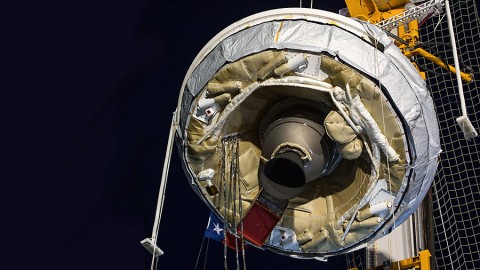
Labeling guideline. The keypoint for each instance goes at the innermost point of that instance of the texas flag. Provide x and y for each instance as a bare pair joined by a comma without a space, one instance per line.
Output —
214,228
215,231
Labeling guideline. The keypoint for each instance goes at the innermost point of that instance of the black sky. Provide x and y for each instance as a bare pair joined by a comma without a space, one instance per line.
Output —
88,88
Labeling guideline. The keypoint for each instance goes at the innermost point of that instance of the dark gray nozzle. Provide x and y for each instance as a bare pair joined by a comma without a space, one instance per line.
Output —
295,146
283,176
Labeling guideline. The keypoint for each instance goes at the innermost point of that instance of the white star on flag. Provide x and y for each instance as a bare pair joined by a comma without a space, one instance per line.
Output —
217,228
214,228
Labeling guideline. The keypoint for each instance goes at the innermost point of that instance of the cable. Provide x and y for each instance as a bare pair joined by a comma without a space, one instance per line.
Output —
199,252
206,254
397,38
446,44
225,225
432,43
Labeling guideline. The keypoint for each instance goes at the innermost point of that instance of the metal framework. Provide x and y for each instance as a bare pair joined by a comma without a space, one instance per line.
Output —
403,20
410,14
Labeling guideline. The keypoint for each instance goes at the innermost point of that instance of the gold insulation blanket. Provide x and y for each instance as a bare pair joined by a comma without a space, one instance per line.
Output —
319,216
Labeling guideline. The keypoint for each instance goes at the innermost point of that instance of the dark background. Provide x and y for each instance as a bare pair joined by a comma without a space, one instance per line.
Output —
88,89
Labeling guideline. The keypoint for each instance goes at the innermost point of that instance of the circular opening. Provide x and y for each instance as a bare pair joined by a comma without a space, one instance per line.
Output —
284,172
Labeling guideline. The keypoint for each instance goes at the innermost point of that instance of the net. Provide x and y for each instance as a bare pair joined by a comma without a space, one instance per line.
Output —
357,259
456,188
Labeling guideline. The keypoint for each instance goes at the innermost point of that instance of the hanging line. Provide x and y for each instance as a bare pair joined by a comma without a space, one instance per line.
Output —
225,225
241,235
236,174
311,3
206,254
233,184
242,240
229,173
199,252
390,238
237,189
232,194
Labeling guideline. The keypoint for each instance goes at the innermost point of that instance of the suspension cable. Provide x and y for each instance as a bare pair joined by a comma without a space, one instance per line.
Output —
199,253
225,224
233,177
206,254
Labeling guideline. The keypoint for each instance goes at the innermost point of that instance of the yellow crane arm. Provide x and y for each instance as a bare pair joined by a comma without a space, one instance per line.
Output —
437,61
406,35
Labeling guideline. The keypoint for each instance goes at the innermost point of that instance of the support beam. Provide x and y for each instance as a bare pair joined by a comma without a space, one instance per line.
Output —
151,243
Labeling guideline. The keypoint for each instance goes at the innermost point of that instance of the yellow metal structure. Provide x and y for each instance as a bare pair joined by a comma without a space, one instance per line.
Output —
419,51
420,262
367,10
406,36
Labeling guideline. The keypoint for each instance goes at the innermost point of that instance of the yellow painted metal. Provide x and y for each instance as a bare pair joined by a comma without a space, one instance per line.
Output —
437,61
383,5
420,262
365,10
424,257
375,11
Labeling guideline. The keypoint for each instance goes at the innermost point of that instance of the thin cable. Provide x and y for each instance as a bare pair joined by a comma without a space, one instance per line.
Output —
375,59
397,38
240,208
237,189
234,180
199,252
225,225
206,254
439,22
386,141
241,233
231,198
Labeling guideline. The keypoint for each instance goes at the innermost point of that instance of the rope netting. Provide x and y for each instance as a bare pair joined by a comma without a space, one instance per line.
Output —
456,187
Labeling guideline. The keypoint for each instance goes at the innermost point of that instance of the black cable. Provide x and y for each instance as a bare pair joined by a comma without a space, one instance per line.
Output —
424,68
467,68
397,38
432,43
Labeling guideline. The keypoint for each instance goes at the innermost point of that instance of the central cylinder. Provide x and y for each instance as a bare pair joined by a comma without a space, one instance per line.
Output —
295,148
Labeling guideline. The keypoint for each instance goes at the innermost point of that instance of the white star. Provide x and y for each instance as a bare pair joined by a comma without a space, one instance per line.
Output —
217,228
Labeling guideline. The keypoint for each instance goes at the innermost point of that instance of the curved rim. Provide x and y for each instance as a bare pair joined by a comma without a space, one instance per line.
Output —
307,14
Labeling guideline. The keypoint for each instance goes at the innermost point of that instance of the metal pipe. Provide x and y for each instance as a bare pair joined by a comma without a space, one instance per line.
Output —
151,244
455,58
463,121
437,61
